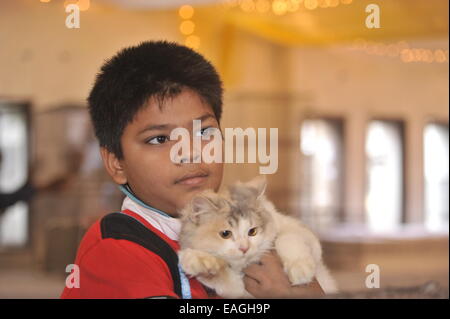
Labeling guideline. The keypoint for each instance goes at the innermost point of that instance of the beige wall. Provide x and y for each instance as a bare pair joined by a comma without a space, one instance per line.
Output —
43,60
278,87
359,87
267,85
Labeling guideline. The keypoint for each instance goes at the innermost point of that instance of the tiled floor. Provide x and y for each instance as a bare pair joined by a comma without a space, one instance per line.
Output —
351,281
23,283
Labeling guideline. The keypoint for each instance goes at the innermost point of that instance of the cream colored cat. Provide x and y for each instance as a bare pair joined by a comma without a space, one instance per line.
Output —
222,234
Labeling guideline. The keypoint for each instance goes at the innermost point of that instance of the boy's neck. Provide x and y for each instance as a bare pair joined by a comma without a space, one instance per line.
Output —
126,189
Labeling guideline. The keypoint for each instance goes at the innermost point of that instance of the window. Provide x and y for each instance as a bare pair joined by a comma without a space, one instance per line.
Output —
384,175
436,176
321,182
13,171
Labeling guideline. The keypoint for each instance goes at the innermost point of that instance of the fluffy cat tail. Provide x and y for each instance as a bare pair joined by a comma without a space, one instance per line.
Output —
325,280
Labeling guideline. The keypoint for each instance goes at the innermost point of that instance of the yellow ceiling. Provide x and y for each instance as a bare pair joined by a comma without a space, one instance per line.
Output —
399,20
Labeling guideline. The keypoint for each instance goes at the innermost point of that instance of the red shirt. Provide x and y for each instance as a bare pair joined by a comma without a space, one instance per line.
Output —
118,268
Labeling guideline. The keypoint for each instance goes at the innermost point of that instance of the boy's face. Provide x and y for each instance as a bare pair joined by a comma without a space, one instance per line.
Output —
146,165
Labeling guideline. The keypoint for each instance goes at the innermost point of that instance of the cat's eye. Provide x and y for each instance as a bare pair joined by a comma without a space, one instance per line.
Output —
253,231
225,234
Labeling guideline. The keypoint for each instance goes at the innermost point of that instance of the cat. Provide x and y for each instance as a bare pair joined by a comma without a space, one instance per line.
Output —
221,234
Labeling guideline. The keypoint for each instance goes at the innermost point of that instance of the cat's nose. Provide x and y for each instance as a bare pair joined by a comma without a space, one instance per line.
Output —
243,249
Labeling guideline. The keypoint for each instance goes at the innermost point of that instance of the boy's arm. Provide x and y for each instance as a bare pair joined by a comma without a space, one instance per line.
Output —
268,280
121,269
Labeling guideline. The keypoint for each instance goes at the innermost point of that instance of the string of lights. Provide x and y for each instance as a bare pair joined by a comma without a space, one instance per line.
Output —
82,4
282,7
402,50
187,26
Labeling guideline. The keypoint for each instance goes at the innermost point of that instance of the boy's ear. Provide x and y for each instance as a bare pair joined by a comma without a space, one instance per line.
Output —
113,166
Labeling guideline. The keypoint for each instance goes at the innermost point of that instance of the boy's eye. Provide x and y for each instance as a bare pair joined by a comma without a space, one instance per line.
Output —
253,231
160,139
207,131
225,234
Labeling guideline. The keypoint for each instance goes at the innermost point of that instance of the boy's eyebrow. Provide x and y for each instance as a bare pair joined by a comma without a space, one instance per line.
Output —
167,126
156,127
205,116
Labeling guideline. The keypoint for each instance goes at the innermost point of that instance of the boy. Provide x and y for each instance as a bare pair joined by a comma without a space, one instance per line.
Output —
139,96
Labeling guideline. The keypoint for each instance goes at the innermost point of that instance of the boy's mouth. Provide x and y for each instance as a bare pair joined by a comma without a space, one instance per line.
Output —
195,178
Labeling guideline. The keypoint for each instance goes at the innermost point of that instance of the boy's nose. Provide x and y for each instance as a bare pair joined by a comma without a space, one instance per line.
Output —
186,159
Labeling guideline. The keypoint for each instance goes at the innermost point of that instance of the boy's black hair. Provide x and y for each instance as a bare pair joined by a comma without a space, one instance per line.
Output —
152,69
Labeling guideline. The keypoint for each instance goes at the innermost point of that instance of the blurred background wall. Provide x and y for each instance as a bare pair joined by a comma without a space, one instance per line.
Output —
362,118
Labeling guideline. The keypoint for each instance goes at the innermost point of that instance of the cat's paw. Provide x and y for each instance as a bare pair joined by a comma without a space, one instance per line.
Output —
195,262
300,271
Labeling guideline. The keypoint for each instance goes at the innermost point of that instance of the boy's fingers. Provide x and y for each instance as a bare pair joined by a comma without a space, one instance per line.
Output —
270,257
251,284
254,271
258,271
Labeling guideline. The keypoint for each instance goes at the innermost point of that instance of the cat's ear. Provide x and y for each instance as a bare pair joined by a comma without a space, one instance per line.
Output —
258,185
202,203
248,191
205,203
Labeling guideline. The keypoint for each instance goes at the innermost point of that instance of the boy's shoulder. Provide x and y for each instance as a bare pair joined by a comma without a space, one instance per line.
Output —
126,227
124,268
124,263
91,238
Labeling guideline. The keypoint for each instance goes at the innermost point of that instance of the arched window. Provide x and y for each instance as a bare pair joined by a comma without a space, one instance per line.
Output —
436,176
14,147
384,202
322,181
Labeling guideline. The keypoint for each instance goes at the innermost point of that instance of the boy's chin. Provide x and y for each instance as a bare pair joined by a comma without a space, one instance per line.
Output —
190,194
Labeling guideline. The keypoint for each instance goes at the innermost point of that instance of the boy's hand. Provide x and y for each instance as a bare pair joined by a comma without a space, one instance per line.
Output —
268,280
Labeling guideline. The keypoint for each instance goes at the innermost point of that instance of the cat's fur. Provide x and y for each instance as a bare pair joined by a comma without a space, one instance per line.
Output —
218,262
